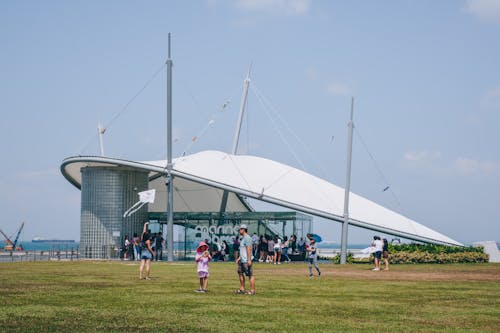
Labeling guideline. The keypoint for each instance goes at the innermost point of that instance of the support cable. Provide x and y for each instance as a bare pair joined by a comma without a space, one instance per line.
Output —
275,126
384,179
294,133
123,109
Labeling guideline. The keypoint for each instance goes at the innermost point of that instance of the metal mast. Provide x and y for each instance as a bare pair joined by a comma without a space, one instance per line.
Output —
169,180
246,84
100,131
345,225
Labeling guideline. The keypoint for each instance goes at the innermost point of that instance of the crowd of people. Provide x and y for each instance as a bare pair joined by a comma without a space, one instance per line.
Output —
246,250
265,248
131,249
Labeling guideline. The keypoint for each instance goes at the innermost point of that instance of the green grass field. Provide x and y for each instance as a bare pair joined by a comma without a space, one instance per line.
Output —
87,296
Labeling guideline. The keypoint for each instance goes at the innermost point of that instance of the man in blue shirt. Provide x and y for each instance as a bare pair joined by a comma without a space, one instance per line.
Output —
244,261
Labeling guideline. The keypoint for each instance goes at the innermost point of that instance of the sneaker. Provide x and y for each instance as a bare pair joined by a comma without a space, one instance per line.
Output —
198,291
319,273
376,269
310,275
279,263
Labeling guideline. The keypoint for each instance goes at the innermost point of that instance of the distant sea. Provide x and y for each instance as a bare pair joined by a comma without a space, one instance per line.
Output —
329,245
30,246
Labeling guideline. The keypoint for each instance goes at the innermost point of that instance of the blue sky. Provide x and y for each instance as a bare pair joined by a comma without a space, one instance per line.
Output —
425,76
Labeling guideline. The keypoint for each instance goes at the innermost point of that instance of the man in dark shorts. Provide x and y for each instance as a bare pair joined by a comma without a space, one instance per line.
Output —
379,245
244,262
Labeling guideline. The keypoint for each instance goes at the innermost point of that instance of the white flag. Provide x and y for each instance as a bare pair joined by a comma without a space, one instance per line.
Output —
144,198
147,196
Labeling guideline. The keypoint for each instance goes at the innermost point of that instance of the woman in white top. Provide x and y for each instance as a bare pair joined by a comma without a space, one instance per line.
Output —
126,246
277,251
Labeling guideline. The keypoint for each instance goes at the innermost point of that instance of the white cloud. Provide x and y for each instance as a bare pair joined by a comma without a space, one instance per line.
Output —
469,166
488,10
286,7
492,97
422,156
461,166
337,88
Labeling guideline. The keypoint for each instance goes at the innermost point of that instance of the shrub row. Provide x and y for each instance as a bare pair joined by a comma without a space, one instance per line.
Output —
427,253
437,258
423,258
432,248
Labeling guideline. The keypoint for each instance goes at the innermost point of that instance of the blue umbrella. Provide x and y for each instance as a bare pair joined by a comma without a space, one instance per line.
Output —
316,237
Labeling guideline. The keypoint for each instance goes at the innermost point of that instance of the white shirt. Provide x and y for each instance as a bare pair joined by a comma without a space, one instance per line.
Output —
255,239
277,245
379,245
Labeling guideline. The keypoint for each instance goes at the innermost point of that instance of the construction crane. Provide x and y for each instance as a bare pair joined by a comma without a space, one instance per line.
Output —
11,246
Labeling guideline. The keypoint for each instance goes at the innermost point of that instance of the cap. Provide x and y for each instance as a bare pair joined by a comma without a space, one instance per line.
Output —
243,226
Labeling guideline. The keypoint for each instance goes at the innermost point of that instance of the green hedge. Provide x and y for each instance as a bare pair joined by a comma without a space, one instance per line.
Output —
426,254
432,248
437,258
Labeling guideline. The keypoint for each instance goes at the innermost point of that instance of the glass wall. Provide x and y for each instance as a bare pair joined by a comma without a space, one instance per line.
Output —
107,192
192,228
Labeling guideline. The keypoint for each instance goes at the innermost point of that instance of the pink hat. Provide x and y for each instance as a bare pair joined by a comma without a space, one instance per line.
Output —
201,244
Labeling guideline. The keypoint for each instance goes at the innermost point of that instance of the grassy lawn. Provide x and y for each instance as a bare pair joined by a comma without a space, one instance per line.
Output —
108,296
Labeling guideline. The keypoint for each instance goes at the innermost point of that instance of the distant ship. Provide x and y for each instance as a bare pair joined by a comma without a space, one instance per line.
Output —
44,240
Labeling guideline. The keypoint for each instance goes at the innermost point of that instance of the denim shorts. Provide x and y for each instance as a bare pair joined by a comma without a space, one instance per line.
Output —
146,255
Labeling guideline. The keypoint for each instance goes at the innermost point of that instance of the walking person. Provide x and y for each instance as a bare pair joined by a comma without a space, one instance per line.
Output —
126,245
159,247
301,245
270,251
224,250
293,240
146,252
379,246
135,243
202,258
262,248
312,257
244,262
286,244
236,247
385,254
255,245
277,251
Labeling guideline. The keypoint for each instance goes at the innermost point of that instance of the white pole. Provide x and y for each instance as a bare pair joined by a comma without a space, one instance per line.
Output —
170,180
100,132
345,225
246,84
234,151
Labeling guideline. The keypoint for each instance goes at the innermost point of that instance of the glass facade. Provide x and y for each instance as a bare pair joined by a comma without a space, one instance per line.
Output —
106,193
194,227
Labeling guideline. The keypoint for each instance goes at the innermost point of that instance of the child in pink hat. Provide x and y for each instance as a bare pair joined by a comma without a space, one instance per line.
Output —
202,258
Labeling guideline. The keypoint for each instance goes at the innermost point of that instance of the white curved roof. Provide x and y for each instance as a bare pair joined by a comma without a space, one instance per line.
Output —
265,180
